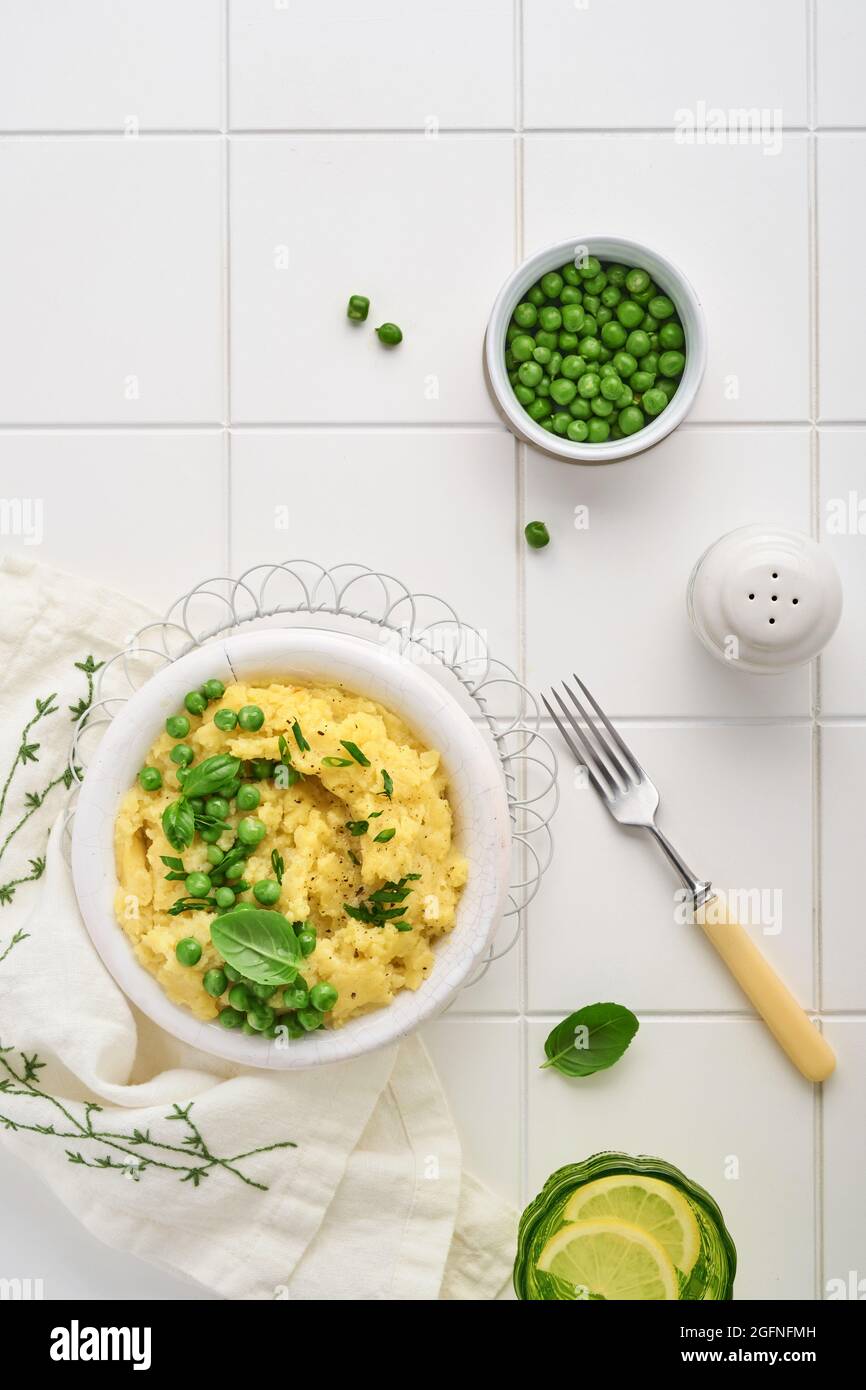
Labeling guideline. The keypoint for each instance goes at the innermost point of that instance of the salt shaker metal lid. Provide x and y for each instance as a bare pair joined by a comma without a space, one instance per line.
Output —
764,598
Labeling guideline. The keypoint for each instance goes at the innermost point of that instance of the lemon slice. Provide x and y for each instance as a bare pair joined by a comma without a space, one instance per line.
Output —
611,1259
654,1206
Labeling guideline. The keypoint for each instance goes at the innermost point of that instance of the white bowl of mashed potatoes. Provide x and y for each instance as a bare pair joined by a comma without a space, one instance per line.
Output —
349,806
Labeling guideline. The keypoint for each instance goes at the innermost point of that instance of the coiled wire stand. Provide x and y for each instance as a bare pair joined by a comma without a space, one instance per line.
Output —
380,608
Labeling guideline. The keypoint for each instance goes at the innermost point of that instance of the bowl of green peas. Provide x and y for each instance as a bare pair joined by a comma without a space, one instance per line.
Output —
595,349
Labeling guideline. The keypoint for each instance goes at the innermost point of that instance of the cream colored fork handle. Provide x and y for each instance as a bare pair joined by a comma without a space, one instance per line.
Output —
791,1027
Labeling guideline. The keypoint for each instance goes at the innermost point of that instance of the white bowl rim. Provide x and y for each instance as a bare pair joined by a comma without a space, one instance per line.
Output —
425,704
667,275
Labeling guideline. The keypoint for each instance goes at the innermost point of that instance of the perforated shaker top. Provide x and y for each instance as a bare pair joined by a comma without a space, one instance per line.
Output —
763,598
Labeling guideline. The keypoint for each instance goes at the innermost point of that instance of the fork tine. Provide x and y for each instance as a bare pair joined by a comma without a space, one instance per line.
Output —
620,771
589,759
614,733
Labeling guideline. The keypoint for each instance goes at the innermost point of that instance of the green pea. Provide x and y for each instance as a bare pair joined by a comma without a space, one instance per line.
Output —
601,406
231,973
665,384
671,335
188,951
649,325
661,307
654,402
626,396
307,939
596,284
530,373
551,283
522,347
643,297
224,897
629,313
570,294
536,296
537,409
591,303
195,702
573,367
296,996
603,316
234,872
589,385
240,998
215,982
570,275
598,431
525,315
389,334
150,779
543,387
177,726
641,381
611,296
579,409
260,1017
554,364
198,885
573,318
542,355
182,753
251,831
590,348
561,422
616,274
266,891
624,363
210,834
671,363
578,431
589,268
615,431
225,719
638,343
197,804
637,281
248,797
537,535
230,1018
217,806
510,364
630,420
545,339
611,386
562,390
547,423
323,997
566,342
511,333
649,363
590,326
550,318
524,394
251,718
309,1019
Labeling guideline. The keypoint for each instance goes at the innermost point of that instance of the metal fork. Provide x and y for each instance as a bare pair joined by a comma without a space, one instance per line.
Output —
632,799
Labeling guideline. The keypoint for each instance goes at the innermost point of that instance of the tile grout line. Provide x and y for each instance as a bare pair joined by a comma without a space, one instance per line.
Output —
315,133
382,426
227,307
817,690
520,492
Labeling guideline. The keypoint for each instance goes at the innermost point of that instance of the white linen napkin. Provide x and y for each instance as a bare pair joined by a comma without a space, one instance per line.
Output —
159,1149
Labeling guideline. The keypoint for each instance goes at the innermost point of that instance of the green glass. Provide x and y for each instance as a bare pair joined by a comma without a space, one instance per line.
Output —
713,1275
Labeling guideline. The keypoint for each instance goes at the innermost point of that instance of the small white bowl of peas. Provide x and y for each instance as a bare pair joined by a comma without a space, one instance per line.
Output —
595,349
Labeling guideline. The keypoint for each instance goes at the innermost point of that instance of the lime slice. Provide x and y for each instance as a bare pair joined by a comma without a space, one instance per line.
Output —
654,1206
610,1259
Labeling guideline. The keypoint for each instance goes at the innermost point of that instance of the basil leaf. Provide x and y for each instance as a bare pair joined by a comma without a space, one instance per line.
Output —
178,822
387,783
209,776
354,750
590,1040
170,862
261,945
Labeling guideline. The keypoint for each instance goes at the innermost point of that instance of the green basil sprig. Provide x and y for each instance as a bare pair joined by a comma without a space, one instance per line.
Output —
590,1040
178,822
260,944
209,776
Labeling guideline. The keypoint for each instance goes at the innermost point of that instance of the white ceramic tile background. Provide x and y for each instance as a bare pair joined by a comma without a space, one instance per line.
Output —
367,149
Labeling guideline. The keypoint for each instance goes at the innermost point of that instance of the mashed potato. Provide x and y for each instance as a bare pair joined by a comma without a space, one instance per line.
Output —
307,825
